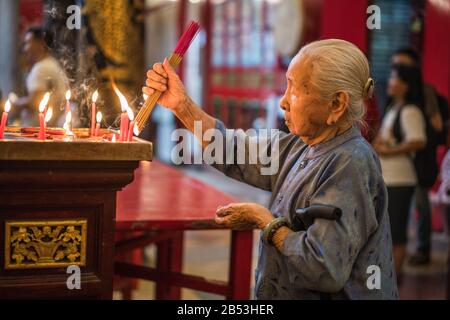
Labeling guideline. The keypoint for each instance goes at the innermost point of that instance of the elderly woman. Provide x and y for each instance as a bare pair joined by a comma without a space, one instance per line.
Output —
323,161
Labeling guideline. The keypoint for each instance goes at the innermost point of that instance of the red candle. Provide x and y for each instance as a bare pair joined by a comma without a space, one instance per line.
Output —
41,135
42,106
130,114
124,121
97,127
48,116
93,112
4,118
130,132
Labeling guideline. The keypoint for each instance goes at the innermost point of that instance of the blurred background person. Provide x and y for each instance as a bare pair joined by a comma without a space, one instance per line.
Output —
402,133
46,74
436,112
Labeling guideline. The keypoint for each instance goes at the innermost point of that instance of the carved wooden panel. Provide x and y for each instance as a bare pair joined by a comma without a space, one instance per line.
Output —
45,244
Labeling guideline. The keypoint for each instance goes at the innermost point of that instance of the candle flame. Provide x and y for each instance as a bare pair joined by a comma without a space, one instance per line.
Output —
44,102
136,131
7,106
123,100
130,114
49,114
67,130
113,138
68,95
95,96
69,117
12,97
99,117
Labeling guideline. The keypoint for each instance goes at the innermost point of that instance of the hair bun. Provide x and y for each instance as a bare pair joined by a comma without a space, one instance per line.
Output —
368,88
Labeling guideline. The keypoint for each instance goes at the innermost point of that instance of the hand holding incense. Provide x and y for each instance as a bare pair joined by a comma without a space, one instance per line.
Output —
174,60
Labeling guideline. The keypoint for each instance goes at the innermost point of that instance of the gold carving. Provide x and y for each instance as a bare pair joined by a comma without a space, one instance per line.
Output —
117,36
45,244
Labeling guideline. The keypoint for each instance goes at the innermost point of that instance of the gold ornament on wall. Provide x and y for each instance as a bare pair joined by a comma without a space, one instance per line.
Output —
45,244
117,36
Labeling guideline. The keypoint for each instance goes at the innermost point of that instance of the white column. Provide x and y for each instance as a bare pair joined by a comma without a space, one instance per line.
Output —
9,45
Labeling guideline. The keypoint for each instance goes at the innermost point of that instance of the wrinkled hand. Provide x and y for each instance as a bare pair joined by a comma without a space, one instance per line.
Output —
243,216
163,78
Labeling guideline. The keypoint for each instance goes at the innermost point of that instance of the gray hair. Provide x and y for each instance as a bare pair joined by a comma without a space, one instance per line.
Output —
338,65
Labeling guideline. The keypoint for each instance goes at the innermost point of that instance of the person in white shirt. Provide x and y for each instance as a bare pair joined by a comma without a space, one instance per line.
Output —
45,75
402,133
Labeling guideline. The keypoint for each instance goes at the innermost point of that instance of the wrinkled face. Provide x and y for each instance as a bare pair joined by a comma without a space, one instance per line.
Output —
306,112
397,88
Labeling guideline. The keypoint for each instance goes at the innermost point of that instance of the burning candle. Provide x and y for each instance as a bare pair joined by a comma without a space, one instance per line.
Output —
42,106
48,116
124,122
131,126
97,127
124,119
93,112
4,118
68,124
68,94
130,132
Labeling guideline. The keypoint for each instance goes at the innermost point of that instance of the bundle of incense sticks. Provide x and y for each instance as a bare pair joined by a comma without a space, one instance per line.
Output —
174,60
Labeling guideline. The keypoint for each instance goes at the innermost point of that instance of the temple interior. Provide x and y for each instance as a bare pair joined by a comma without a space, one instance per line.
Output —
132,203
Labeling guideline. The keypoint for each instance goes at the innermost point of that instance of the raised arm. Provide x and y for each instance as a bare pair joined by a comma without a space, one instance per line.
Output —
174,97
238,147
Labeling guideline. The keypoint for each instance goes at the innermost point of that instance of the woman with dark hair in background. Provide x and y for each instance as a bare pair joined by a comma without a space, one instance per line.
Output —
436,112
402,134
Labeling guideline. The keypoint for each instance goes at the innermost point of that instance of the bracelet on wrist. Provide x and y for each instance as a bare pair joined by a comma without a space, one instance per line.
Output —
271,228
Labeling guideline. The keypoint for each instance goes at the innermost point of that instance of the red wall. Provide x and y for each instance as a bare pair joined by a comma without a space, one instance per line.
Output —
30,14
436,57
345,19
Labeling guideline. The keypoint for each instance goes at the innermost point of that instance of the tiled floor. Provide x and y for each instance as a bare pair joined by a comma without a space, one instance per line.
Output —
206,252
